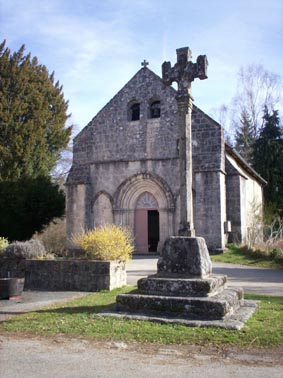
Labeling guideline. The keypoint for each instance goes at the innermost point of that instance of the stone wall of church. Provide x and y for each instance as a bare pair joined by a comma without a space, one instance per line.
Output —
233,187
208,143
209,183
112,136
253,211
244,203
112,149
111,178
76,209
211,209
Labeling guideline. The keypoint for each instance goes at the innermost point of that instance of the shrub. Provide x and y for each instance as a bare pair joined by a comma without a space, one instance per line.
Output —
31,249
53,237
108,242
3,244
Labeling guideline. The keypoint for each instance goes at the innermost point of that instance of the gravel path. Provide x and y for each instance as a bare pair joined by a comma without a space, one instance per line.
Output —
77,358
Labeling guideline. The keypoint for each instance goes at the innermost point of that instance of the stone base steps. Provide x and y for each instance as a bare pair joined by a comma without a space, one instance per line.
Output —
181,287
184,290
208,308
236,321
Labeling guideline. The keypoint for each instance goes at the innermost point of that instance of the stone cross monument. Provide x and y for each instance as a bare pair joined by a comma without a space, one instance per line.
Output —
184,72
184,290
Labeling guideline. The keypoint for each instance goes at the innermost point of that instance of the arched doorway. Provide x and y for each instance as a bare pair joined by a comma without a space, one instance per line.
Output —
147,233
126,204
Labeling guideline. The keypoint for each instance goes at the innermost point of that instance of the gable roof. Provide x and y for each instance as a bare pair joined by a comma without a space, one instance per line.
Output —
244,164
141,72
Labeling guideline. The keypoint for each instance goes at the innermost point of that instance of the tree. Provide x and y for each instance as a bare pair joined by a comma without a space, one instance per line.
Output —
244,137
33,114
257,88
221,114
28,205
32,117
268,158
61,170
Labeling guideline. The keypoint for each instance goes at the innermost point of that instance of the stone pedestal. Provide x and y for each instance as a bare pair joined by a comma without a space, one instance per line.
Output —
185,256
185,291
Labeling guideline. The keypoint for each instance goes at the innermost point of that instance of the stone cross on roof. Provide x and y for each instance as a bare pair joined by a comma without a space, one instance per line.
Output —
144,63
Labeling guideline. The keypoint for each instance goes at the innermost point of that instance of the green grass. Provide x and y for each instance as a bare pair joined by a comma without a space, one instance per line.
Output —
78,318
242,255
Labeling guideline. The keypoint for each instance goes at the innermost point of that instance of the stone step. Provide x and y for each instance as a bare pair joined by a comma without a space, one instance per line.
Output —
208,308
181,287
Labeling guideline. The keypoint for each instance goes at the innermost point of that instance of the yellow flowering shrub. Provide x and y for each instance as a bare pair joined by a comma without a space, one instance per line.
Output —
109,242
3,243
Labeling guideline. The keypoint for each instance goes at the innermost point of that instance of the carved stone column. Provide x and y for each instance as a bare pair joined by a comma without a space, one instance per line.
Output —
184,72
185,164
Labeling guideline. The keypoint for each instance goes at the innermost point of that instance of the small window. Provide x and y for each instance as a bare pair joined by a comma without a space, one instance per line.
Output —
135,112
155,109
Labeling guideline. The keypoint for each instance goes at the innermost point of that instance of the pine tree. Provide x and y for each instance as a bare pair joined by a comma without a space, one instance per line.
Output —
33,114
32,117
244,137
268,159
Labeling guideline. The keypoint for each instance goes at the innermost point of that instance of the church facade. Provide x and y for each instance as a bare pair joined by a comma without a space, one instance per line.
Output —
126,171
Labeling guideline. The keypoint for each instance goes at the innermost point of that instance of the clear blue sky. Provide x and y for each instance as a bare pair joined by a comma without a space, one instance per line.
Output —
96,46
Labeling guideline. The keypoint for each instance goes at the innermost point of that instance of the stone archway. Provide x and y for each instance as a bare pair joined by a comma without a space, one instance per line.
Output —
128,194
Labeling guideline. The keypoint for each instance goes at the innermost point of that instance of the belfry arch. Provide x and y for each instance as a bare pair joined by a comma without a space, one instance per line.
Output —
131,195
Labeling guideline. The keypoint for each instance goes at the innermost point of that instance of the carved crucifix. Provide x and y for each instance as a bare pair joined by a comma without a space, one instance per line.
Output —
184,72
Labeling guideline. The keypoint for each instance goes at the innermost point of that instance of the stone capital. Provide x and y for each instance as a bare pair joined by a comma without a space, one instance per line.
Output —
184,101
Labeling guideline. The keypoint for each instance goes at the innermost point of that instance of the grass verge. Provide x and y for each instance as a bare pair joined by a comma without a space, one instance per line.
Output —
77,318
244,256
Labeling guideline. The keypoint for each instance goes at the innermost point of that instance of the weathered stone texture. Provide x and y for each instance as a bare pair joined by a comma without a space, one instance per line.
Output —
67,275
244,200
210,205
179,289
177,286
208,143
209,308
111,136
187,256
112,152
74,275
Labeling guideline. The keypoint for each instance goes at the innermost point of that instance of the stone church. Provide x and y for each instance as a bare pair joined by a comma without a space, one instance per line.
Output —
126,171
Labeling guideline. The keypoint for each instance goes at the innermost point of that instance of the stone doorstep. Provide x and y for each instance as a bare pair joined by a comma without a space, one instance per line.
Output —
181,287
206,308
234,321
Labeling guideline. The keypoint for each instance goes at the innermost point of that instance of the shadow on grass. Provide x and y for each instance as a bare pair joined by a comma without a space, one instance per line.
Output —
85,309
78,309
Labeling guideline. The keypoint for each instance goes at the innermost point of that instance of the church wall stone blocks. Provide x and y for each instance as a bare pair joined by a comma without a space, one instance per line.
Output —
126,171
